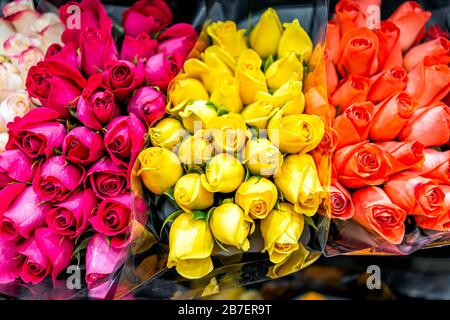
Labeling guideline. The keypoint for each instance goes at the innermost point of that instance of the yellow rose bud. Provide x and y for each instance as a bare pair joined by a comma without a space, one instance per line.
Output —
291,96
231,226
228,133
159,169
197,114
167,133
299,183
220,53
182,90
295,39
195,151
283,70
257,196
262,157
251,78
298,133
227,96
266,34
281,230
190,194
226,35
190,244
223,173
259,113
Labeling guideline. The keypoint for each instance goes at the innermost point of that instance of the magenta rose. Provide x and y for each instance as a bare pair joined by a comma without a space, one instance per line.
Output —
107,179
121,77
161,68
113,219
124,139
8,194
92,15
96,47
10,261
148,16
102,260
36,265
57,178
67,54
70,217
140,47
15,166
178,39
55,84
37,133
83,146
148,104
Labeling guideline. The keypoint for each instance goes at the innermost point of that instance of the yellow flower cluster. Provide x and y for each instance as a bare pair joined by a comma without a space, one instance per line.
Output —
233,149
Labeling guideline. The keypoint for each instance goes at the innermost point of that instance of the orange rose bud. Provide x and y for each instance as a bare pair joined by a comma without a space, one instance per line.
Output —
349,16
389,53
332,40
352,89
436,166
404,155
341,202
387,83
332,76
439,47
440,223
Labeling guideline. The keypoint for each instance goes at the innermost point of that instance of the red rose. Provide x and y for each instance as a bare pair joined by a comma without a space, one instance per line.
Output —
387,83
67,53
341,202
83,146
121,77
403,155
96,47
107,179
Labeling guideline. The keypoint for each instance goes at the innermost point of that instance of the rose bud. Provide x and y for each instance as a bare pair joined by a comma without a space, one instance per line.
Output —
195,151
226,35
148,104
299,183
146,16
56,179
341,202
36,265
438,223
10,79
322,153
182,90
387,83
107,179
362,164
55,84
10,262
15,105
265,36
410,18
283,70
257,196
167,133
124,139
229,133
15,166
190,195
250,77
121,77
70,217
140,47
67,53
24,215
376,212
259,113
436,166
291,96
353,125
37,133
83,146
96,47
429,126
350,90
439,47
224,173
349,15
333,37
9,194
191,244
295,39
299,133
281,231
391,115
102,260
178,39
159,169
20,14
227,95
197,114
389,53
403,155
298,259
262,157
160,69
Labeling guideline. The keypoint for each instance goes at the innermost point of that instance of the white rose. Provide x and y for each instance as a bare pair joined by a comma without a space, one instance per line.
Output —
15,105
21,14
6,31
18,43
3,141
10,79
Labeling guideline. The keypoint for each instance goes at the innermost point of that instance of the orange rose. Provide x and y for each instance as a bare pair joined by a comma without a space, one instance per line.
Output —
349,16
376,212
332,40
403,155
351,89
363,4
323,153
391,116
386,83
436,166
439,47
341,202
332,76
441,223
390,52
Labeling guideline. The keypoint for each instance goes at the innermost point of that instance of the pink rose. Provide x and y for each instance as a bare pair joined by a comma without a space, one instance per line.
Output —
55,84
83,146
36,265
97,47
67,53
146,16
436,166
10,261
70,217
57,178
15,166
8,194
148,104
121,77
107,179
160,69
140,47
37,133
178,39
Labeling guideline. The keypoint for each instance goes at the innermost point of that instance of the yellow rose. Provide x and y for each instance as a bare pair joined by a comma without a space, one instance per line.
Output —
220,53
190,244
190,194
197,114
195,151
159,169
223,173
226,35
231,226
298,133
281,230
283,70
228,133
182,90
291,96
257,196
227,96
295,39
167,133
299,183
251,78
262,157
258,113
266,34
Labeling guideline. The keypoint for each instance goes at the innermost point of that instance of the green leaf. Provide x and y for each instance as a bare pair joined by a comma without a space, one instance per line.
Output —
195,169
437,149
221,245
83,245
108,240
57,151
280,196
73,112
169,194
254,131
222,111
267,63
199,215
211,105
309,221
210,212
227,200
338,110
247,173
170,218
